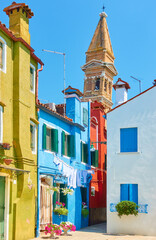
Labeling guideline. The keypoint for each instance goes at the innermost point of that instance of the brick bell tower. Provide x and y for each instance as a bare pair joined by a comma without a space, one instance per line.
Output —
99,68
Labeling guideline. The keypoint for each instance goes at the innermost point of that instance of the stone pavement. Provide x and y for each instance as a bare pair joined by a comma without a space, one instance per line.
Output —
97,232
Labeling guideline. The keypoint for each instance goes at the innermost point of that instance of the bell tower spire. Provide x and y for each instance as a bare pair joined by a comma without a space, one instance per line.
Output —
99,68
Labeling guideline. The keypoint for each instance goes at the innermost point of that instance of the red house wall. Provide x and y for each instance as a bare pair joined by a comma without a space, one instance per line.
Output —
99,178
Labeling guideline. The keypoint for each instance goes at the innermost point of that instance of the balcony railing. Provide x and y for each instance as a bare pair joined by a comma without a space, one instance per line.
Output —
142,208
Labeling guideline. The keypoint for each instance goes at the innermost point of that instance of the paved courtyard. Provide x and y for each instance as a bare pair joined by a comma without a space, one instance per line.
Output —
97,232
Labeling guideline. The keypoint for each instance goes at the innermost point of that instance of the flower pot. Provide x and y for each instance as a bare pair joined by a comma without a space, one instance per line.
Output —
52,235
65,231
7,161
5,146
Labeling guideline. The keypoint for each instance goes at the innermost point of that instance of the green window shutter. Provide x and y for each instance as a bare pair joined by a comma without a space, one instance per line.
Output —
85,153
63,198
54,140
105,161
85,116
44,136
71,145
96,158
63,143
93,158
68,146
54,197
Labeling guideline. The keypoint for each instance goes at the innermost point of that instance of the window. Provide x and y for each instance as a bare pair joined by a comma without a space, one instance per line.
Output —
105,86
68,144
59,196
85,116
84,152
129,192
2,55
110,88
33,137
93,191
84,194
32,78
95,158
97,84
50,139
105,161
128,140
1,124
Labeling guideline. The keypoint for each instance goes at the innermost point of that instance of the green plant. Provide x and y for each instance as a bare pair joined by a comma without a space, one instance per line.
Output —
127,208
85,212
67,191
61,211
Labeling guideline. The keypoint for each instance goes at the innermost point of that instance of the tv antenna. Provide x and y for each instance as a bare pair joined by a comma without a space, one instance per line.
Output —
138,81
61,53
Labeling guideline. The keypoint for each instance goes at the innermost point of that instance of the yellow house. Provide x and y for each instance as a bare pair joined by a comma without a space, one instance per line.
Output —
18,126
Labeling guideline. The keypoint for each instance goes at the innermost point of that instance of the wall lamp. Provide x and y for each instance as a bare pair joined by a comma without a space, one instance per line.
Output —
92,149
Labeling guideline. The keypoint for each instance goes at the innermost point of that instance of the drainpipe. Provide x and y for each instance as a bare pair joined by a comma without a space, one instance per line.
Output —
38,70
38,186
89,154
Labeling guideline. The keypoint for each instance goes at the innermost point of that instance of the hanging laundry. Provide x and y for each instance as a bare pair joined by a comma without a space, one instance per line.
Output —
78,178
84,175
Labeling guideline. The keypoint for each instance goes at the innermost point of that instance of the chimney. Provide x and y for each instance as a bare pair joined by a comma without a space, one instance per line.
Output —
73,103
154,82
19,15
121,87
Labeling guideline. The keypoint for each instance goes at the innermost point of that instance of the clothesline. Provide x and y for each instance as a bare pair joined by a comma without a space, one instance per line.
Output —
76,177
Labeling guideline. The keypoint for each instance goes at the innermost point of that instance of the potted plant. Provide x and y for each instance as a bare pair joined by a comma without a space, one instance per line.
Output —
67,191
60,209
127,208
66,226
5,146
84,211
7,161
53,229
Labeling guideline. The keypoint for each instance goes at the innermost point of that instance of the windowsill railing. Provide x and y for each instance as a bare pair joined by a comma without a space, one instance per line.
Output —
142,208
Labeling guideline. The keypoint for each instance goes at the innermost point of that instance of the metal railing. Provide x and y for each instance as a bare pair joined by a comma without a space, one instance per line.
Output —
142,208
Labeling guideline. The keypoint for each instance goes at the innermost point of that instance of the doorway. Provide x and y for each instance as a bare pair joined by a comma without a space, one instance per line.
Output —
4,206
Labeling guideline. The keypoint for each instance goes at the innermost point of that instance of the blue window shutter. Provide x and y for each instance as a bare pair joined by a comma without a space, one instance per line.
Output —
124,192
128,140
133,193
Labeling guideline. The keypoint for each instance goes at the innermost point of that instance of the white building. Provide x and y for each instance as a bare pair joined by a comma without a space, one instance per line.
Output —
131,172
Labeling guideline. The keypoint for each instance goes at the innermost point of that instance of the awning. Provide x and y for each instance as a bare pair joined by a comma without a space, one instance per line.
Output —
14,169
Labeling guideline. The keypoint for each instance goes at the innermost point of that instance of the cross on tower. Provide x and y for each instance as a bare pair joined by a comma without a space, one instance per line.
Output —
103,8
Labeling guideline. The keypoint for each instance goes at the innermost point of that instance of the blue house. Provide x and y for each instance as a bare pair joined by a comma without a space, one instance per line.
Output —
63,159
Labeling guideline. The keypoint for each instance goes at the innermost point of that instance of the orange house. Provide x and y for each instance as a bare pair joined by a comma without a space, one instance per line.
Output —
98,138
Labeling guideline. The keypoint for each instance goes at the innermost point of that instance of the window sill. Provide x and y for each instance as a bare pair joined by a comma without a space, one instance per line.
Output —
34,153
32,91
66,157
84,163
48,151
127,153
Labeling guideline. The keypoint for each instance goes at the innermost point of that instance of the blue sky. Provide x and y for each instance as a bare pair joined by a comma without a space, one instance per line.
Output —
68,26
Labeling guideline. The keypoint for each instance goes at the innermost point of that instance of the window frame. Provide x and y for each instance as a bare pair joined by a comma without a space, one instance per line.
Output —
4,55
1,124
137,139
35,138
34,71
50,149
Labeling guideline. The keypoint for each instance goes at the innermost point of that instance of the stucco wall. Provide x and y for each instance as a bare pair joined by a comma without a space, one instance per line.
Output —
46,165
20,107
136,168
